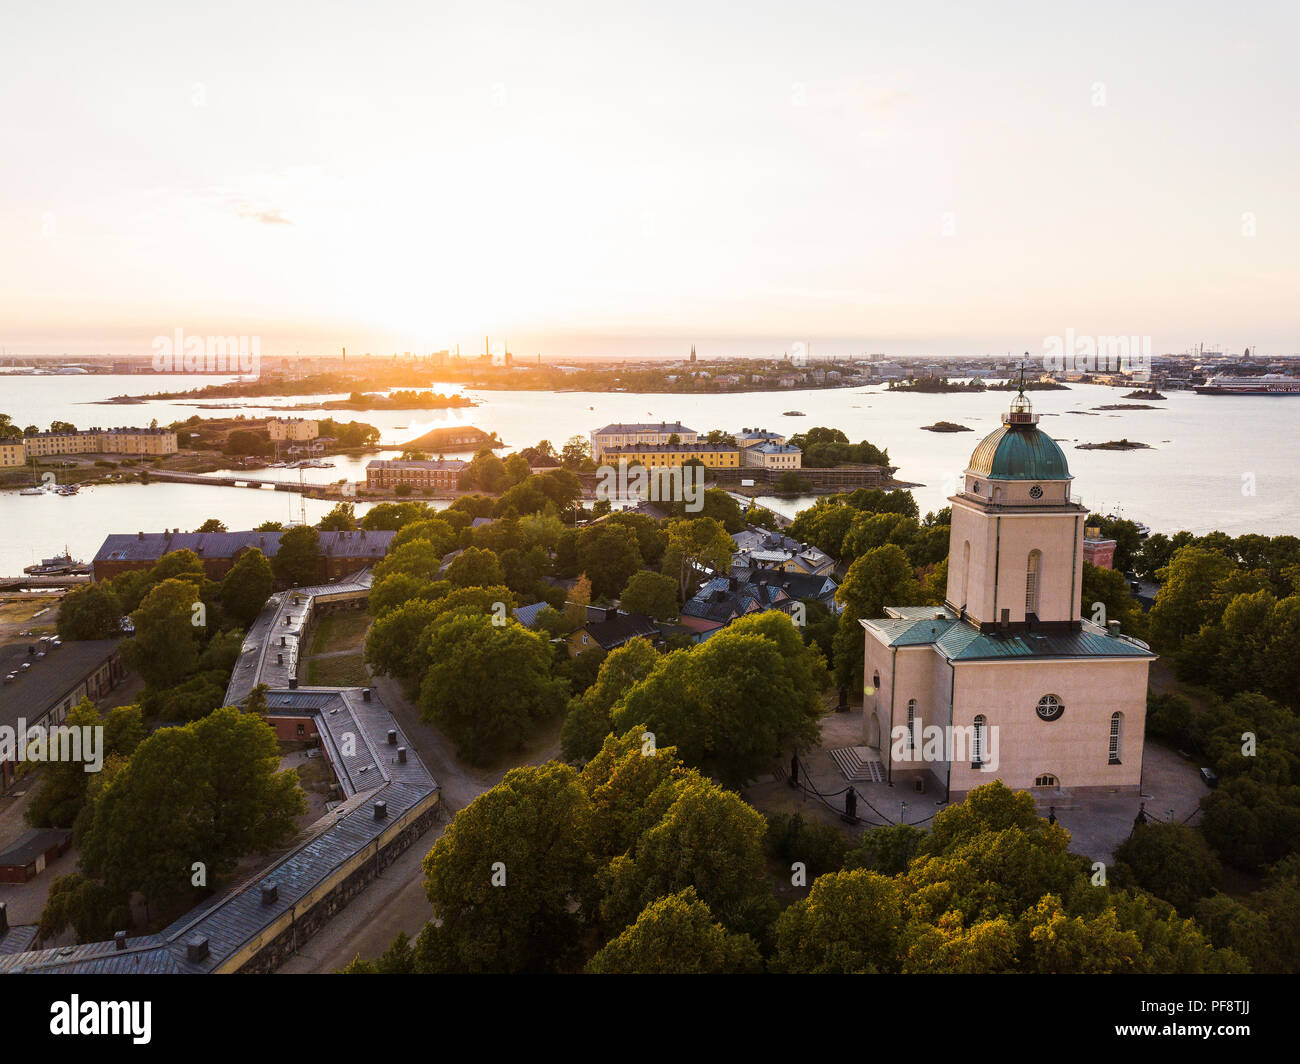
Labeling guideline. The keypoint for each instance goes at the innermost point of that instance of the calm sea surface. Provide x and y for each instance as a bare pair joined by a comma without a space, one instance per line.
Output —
1217,462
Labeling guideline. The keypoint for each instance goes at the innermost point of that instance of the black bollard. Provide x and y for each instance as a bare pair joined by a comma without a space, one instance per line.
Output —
851,806
794,770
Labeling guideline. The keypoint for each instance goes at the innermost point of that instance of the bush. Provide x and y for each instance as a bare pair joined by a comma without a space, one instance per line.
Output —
820,847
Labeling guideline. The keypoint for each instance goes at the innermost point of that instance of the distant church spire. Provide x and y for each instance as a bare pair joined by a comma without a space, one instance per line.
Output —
692,352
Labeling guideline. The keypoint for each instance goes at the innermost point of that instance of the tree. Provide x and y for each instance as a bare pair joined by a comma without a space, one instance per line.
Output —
165,646
212,524
1172,861
588,721
475,568
245,441
246,587
297,560
343,518
92,910
1185,600
433,530
66,783
575,453
881,577
652,594
677,935
1109,588
709,839
694,545
210,790
90,612
735,703
487,685
502,875
394,646
850,923
608,555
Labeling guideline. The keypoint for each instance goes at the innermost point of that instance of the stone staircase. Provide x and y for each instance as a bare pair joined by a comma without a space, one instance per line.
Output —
859,764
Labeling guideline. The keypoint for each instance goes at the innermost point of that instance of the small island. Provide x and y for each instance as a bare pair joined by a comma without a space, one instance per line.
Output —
1127,406
404,400
946,426
1150,394
1114,445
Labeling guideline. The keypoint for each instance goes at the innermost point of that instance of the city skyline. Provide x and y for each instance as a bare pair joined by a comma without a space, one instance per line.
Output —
980,182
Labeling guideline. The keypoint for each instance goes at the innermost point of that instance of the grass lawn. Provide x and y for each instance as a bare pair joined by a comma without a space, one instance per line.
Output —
345,670
340,631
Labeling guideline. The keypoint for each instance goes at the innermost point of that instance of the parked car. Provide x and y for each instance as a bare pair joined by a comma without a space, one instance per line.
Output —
1210,777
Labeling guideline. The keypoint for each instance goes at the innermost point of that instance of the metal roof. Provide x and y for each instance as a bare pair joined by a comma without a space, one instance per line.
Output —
1019,452
150,546
35,691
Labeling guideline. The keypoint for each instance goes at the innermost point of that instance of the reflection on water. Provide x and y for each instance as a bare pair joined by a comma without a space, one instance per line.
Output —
1194,476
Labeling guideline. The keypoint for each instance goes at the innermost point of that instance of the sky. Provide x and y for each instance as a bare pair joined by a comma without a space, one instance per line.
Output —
594,178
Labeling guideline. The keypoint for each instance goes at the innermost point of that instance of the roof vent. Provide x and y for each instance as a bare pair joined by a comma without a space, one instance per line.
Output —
1112,627
293,683
4,919
381,809
940,615
270,893
196,948
365,694
392,737
401,755
119,940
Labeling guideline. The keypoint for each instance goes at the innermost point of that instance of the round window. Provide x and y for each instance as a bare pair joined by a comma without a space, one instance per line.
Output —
1035,492
1050,708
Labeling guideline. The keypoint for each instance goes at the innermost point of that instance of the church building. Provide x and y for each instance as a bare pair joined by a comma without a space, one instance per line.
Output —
1008,680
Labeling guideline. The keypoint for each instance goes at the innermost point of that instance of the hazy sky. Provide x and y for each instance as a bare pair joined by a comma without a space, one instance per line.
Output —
902,177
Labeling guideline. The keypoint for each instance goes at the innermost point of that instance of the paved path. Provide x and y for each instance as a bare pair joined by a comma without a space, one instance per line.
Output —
395,901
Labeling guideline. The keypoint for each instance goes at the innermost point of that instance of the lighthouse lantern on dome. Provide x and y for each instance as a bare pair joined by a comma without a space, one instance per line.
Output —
1022,411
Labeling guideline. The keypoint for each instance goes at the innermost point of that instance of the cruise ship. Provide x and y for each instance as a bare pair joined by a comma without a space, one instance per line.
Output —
1268,384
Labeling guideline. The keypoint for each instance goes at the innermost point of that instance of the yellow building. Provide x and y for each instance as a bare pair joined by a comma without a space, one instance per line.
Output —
624,434
296,429
671,455
100,441
779,456
1007,680
11,453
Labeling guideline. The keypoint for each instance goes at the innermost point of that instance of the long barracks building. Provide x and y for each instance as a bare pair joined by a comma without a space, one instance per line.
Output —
341,552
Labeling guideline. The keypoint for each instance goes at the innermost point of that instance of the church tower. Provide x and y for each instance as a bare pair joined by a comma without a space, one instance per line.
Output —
1015,559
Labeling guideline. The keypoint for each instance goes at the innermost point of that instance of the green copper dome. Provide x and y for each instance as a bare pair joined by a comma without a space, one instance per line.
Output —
1019,452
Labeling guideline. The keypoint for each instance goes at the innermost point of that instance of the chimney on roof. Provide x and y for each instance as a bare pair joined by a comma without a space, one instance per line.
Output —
139,535
4,919
293,683
270,892
392,736
196,948
401,755
1112,627
611,612
365,694
381,809
119,940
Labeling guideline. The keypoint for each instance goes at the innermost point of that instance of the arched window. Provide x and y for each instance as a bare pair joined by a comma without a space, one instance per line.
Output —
965,573
978,740
1032,576
1046,780
1116,736
911,723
